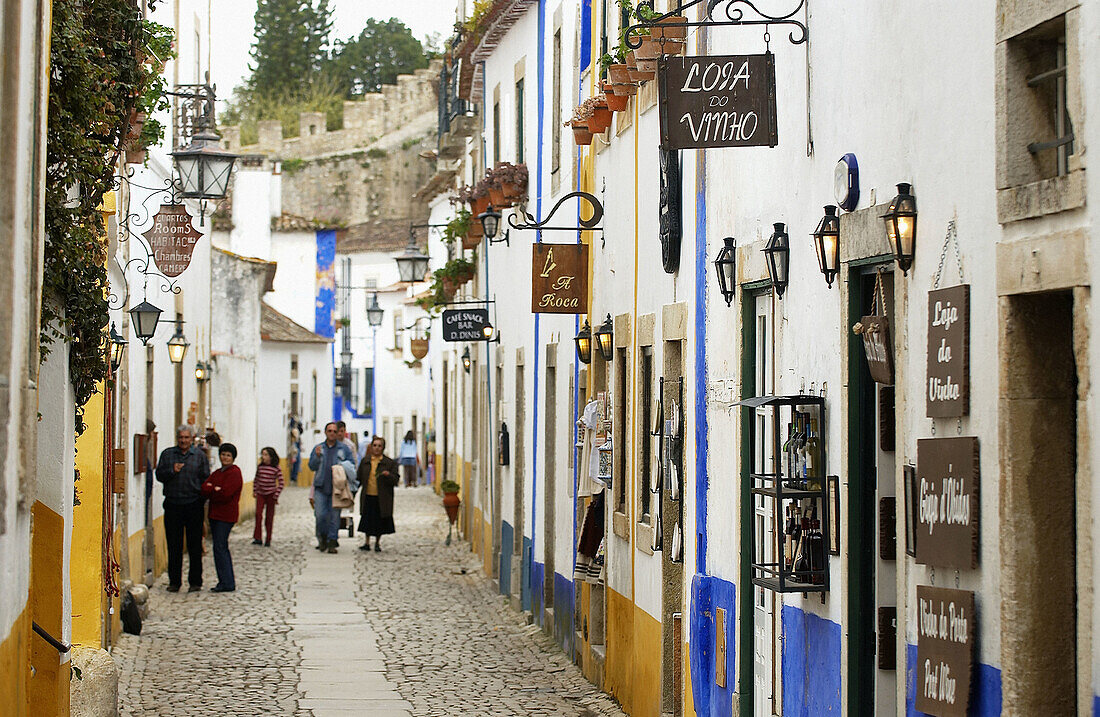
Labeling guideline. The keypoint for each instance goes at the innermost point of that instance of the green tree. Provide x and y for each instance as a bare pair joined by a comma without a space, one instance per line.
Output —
291,45
383,50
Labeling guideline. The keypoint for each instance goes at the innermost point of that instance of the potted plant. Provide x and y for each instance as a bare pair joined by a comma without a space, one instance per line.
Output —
597,113
496,192
458,226
615,103
581,134
473,235
451,501
668,29
513,182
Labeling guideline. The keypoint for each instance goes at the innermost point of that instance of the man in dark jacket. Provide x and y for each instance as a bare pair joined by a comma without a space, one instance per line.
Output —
182,469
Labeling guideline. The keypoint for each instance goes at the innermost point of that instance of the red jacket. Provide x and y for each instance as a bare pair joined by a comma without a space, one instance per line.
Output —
224,503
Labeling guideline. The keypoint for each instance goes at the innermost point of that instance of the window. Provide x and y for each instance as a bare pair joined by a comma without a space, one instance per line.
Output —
620,406
294,367
370,282
294,401
645,427
368,392
398,329
604,44
496,131
519,121
313,411
555,123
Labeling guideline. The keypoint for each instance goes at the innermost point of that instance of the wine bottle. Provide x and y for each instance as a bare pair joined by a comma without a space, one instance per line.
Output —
813,458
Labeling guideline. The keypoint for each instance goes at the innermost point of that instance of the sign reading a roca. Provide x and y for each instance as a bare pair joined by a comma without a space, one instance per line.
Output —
559,278
717,101
465,324
172,239
945,650
949,352
947,502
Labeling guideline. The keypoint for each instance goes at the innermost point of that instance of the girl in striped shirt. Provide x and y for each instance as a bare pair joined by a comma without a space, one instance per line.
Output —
266,486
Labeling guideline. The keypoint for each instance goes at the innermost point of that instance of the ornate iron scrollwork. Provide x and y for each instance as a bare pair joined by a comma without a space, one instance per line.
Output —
737,13
670,210
529,222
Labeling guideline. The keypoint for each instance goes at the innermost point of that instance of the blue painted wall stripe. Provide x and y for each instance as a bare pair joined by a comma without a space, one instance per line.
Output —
541,98
702,480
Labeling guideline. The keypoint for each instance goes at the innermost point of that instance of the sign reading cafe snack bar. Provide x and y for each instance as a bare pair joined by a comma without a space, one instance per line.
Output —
172,239
717,101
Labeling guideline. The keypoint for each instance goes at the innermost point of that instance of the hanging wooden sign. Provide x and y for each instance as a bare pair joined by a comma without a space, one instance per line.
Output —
172,239
947,502
717,101
949,352
875,330
465,324
559,278
945,650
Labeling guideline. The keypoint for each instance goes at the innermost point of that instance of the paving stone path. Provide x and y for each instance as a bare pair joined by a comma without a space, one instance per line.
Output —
416,629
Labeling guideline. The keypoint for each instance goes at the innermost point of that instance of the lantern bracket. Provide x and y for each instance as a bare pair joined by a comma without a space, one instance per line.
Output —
738,13
529,222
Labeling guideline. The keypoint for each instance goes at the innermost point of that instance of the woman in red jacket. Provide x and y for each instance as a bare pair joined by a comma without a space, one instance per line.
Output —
223,490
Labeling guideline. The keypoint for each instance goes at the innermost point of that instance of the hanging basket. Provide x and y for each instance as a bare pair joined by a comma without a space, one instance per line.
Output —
418,347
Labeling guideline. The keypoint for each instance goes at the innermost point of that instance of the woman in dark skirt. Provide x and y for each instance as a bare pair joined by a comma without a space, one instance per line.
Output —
377,476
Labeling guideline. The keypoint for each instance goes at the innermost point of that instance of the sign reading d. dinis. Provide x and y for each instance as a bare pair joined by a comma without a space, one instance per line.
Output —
559,279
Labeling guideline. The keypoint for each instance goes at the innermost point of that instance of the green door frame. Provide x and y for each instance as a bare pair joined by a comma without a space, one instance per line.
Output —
749,292
862,487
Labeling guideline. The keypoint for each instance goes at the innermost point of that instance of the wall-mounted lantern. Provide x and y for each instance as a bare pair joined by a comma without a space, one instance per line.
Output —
177,345
466,360
901,226
777,252
413,264
490,222
375,313
504,452
118,348
604,337
583,339
145,318
827,244
725,264
202,371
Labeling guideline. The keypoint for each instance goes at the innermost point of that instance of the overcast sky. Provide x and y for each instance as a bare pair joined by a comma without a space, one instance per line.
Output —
232,28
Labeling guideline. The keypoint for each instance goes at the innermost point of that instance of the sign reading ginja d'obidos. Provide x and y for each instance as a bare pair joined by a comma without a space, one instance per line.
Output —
945,650
717,101
172,239
948,352
947,502
559,278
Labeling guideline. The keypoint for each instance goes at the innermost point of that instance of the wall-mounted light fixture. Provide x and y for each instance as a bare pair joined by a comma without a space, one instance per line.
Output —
827,244
118,348
604,338
725,265
466,360
177,345
777,252
413,264
375,313
202,371
145,318
901,226
583,339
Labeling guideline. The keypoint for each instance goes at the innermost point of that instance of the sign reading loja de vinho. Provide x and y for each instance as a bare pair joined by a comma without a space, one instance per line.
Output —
172,239
949,352
717,101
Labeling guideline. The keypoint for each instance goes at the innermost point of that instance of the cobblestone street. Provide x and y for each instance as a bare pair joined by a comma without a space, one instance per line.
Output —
414,630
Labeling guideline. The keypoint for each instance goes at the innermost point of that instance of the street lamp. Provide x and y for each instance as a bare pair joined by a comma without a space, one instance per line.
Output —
901,226
827,244
583,340
725,264
413,264
177,345
466,360
145,317
604,336
777,252
204,167
490,222
118,347
375,313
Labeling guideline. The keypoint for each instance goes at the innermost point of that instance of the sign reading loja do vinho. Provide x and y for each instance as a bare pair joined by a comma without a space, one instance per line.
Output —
717,101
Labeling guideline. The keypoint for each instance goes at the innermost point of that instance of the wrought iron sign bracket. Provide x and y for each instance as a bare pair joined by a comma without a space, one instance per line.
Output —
738,13
529,222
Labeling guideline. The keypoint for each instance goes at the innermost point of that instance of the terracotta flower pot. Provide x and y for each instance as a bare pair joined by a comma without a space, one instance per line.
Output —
625,89
630,60
451,502
135,156
479,205
470,241
496,196
513,192
648,66
615,103
648,50
600,120
641,76
581,134
662,28
418,347
672,47
450,288
618,74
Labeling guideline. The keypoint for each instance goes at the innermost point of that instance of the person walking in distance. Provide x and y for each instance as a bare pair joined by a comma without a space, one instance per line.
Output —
378,477
343,437
182,469
266,487
322,458
223,490
409,459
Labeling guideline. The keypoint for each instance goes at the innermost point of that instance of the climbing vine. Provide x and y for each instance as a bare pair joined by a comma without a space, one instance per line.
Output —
103,66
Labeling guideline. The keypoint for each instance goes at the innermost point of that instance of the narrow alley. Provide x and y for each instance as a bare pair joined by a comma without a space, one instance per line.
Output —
414,630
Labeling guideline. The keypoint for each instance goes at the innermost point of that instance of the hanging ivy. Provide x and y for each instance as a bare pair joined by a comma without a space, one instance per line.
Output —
103,66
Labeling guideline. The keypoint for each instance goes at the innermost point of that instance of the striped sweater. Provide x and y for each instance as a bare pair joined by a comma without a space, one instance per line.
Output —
268,481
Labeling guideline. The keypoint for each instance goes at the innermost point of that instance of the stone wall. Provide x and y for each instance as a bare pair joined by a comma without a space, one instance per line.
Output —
366,172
